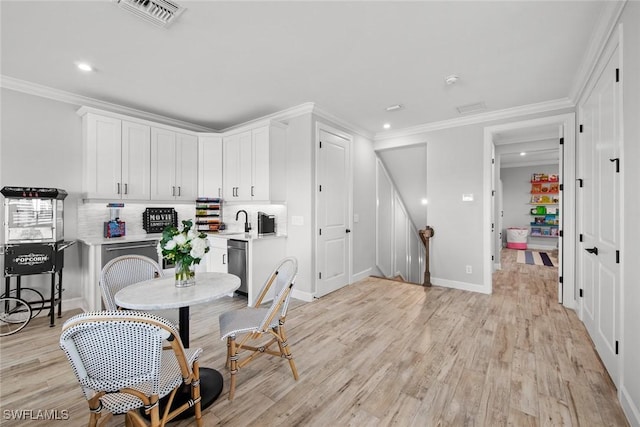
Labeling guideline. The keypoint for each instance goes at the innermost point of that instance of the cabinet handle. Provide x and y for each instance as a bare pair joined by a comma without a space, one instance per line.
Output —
173,191
219,192
224,261
179,191
118,188
252,191
126,188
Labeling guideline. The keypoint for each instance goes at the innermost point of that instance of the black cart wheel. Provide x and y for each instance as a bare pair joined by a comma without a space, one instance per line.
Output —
31,296
15,313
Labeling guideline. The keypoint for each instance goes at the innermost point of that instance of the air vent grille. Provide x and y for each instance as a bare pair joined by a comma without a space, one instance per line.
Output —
158,12
471,108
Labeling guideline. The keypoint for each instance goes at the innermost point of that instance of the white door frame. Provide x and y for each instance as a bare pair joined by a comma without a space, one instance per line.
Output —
329,129
568,194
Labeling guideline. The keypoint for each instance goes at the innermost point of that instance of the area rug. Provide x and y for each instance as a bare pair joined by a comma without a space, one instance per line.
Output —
536,258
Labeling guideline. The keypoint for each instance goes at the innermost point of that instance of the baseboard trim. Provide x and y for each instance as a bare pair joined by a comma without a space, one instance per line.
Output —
629,408
302,295
463,286
361,275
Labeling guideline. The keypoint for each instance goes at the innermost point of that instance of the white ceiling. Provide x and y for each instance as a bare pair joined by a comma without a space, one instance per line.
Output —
223,63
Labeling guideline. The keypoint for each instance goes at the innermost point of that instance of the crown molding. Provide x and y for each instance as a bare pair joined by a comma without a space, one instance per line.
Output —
600,37
322,113
75,99
279,116
508,113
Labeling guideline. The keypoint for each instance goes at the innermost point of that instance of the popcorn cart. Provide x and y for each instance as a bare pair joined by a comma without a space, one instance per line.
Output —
33,244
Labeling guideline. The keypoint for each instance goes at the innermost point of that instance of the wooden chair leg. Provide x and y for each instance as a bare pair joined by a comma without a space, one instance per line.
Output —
233,366
226,365
287,353
195,392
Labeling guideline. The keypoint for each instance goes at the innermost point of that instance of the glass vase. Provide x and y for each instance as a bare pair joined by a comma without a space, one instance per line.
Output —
185,275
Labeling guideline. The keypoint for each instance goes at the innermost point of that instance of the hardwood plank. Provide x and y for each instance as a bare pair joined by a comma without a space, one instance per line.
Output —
376,352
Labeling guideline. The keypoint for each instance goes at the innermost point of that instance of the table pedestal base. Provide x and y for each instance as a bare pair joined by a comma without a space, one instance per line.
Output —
211,383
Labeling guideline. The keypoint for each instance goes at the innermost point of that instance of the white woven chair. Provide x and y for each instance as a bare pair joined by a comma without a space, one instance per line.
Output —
118,358
126,270
252,323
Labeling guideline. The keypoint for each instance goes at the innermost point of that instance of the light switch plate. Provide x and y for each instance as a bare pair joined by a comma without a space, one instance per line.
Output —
467,197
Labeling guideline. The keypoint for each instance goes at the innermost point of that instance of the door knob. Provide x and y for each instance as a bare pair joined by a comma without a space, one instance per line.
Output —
592,250
348,231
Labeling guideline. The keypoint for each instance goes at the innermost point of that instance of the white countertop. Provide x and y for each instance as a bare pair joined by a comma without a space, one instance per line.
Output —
97,241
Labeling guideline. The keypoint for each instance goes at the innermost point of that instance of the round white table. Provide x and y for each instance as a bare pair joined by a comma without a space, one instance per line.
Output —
161,293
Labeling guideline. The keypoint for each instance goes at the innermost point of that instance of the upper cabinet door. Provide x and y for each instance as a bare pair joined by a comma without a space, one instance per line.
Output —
237,167
186,167
231,169
103,151
163,164
260,164
210,166
245,162
136,161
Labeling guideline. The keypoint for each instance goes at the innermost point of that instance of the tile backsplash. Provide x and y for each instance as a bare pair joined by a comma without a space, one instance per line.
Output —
92,215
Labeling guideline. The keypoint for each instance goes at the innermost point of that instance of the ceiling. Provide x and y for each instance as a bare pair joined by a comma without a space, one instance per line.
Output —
223,63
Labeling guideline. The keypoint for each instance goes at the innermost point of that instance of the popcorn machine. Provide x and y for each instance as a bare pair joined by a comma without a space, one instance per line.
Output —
33,244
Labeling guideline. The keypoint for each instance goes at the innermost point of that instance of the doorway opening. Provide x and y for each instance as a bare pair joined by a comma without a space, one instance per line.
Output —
516,154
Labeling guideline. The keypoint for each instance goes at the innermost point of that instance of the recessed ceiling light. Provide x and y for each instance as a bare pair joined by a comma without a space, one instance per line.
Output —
395,107
423,201
84,66
523,154
386,125
452,79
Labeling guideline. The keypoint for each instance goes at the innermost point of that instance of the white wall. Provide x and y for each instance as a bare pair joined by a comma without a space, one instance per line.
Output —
300,201
454,168
42,147
630,343
410,178
364,208
516,192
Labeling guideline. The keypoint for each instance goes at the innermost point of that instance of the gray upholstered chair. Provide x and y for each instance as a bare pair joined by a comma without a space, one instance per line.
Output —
243,326
126,270
119,361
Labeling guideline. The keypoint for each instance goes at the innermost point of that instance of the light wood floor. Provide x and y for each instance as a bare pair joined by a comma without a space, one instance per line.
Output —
376,353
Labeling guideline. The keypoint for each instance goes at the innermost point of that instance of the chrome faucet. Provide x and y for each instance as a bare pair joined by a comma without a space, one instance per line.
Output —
247,225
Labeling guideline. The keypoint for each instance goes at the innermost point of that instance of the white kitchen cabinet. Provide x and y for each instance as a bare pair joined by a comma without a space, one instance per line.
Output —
209,166
264,255
136,161
237,166
116,158
217,255
174,165
254,163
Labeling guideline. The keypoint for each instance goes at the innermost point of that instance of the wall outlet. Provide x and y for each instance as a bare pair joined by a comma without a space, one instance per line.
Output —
469,269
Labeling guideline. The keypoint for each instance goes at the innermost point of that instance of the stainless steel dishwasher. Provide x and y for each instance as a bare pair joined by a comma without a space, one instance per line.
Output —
237,255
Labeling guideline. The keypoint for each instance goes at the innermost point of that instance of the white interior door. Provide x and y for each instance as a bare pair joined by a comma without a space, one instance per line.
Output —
559,216
599,215
333,212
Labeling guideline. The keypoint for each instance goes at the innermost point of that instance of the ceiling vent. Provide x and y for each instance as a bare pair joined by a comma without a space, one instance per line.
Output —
158,12
471,108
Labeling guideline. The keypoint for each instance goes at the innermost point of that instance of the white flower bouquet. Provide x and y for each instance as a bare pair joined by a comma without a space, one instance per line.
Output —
184,248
